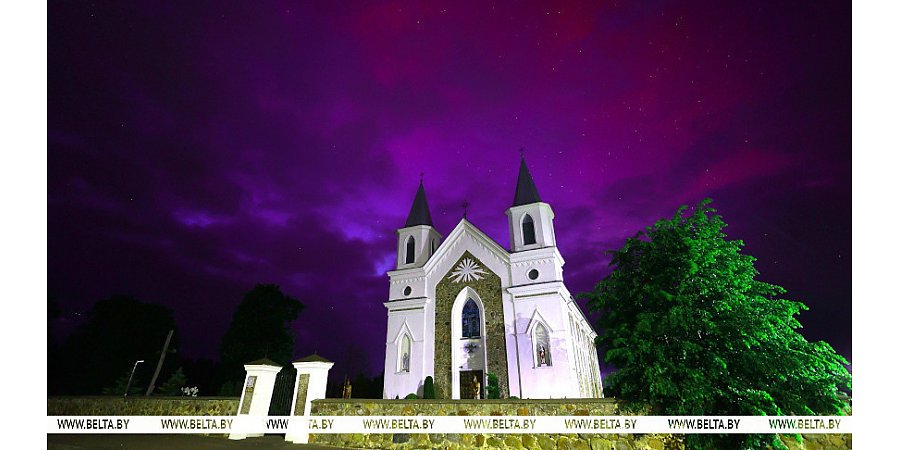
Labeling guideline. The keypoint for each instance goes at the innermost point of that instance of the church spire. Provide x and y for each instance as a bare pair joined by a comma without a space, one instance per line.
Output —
526,191
419,213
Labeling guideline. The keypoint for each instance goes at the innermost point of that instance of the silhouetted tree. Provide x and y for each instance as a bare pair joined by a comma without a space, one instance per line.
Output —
202,373
117,332
693,332
173,385
260,328
118,387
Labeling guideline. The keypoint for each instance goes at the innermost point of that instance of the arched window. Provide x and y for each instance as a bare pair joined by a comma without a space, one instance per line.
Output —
410,250
528,230
471,320
404,354
541,346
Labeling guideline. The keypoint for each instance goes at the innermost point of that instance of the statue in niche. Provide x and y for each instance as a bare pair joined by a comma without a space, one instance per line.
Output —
476,389
405,362
542,355
348,388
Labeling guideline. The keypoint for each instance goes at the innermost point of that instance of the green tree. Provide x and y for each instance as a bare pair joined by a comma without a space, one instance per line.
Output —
692,332
260,328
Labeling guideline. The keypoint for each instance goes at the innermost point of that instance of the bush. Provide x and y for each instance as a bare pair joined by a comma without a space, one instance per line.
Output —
428,390
493,386
411,397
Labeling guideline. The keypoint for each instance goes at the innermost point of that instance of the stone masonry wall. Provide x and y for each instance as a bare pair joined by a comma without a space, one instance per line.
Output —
506,407
489,289
142,406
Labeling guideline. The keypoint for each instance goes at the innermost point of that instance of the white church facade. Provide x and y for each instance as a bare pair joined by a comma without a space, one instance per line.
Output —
464,306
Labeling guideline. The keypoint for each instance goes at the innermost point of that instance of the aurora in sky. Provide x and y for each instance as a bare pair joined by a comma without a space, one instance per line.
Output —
196,149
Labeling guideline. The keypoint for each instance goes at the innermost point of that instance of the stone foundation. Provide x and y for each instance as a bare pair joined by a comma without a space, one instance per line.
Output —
142,406
506,407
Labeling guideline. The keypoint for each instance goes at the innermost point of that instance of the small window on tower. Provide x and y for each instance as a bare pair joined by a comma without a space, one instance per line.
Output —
410,250
528,230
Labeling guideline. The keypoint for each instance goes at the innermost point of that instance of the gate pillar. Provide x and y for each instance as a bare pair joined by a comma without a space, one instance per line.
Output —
257,393
312,379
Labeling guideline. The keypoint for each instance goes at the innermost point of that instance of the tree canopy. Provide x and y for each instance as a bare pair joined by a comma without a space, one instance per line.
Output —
693,332
259,328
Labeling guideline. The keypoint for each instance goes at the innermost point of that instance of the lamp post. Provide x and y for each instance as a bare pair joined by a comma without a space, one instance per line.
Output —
128,386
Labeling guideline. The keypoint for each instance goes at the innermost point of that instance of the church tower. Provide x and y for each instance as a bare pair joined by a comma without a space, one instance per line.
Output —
532,238
530,219
418,239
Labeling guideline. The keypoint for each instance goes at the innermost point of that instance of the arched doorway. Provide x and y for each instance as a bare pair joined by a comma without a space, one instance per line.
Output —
468,338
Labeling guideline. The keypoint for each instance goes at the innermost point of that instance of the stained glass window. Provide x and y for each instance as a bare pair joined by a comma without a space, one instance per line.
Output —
471,320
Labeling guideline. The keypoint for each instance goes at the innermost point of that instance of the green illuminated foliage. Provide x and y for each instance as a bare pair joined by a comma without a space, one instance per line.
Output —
692,332
493,386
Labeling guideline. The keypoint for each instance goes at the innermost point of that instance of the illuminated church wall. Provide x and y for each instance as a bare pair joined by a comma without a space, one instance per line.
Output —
463,306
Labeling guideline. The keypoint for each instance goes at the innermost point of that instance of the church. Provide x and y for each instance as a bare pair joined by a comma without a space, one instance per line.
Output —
464,306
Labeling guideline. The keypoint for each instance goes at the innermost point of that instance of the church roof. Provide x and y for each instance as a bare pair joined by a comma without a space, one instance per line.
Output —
419,213
526,191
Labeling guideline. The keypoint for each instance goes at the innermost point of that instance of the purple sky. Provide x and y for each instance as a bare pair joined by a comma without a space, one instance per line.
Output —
198,149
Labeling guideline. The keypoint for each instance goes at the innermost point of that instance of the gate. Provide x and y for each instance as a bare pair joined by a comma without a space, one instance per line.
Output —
283,392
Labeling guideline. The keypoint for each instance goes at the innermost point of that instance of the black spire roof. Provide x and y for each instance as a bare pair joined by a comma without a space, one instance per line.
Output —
526,192
419,214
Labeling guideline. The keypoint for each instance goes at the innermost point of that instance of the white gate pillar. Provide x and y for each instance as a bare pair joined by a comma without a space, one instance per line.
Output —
257,393
312,379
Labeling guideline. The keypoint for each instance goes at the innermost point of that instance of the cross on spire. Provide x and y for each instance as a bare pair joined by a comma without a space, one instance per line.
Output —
465,209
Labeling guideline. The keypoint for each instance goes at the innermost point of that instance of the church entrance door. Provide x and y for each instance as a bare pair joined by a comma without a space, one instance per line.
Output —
467,386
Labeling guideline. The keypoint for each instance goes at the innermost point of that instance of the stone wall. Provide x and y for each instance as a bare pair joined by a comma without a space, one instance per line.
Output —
489,289
142,406
507,407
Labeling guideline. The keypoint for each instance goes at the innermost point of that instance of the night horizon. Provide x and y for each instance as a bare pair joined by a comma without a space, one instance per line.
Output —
194,152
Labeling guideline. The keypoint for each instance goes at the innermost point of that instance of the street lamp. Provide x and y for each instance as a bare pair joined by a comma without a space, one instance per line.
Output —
127,387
